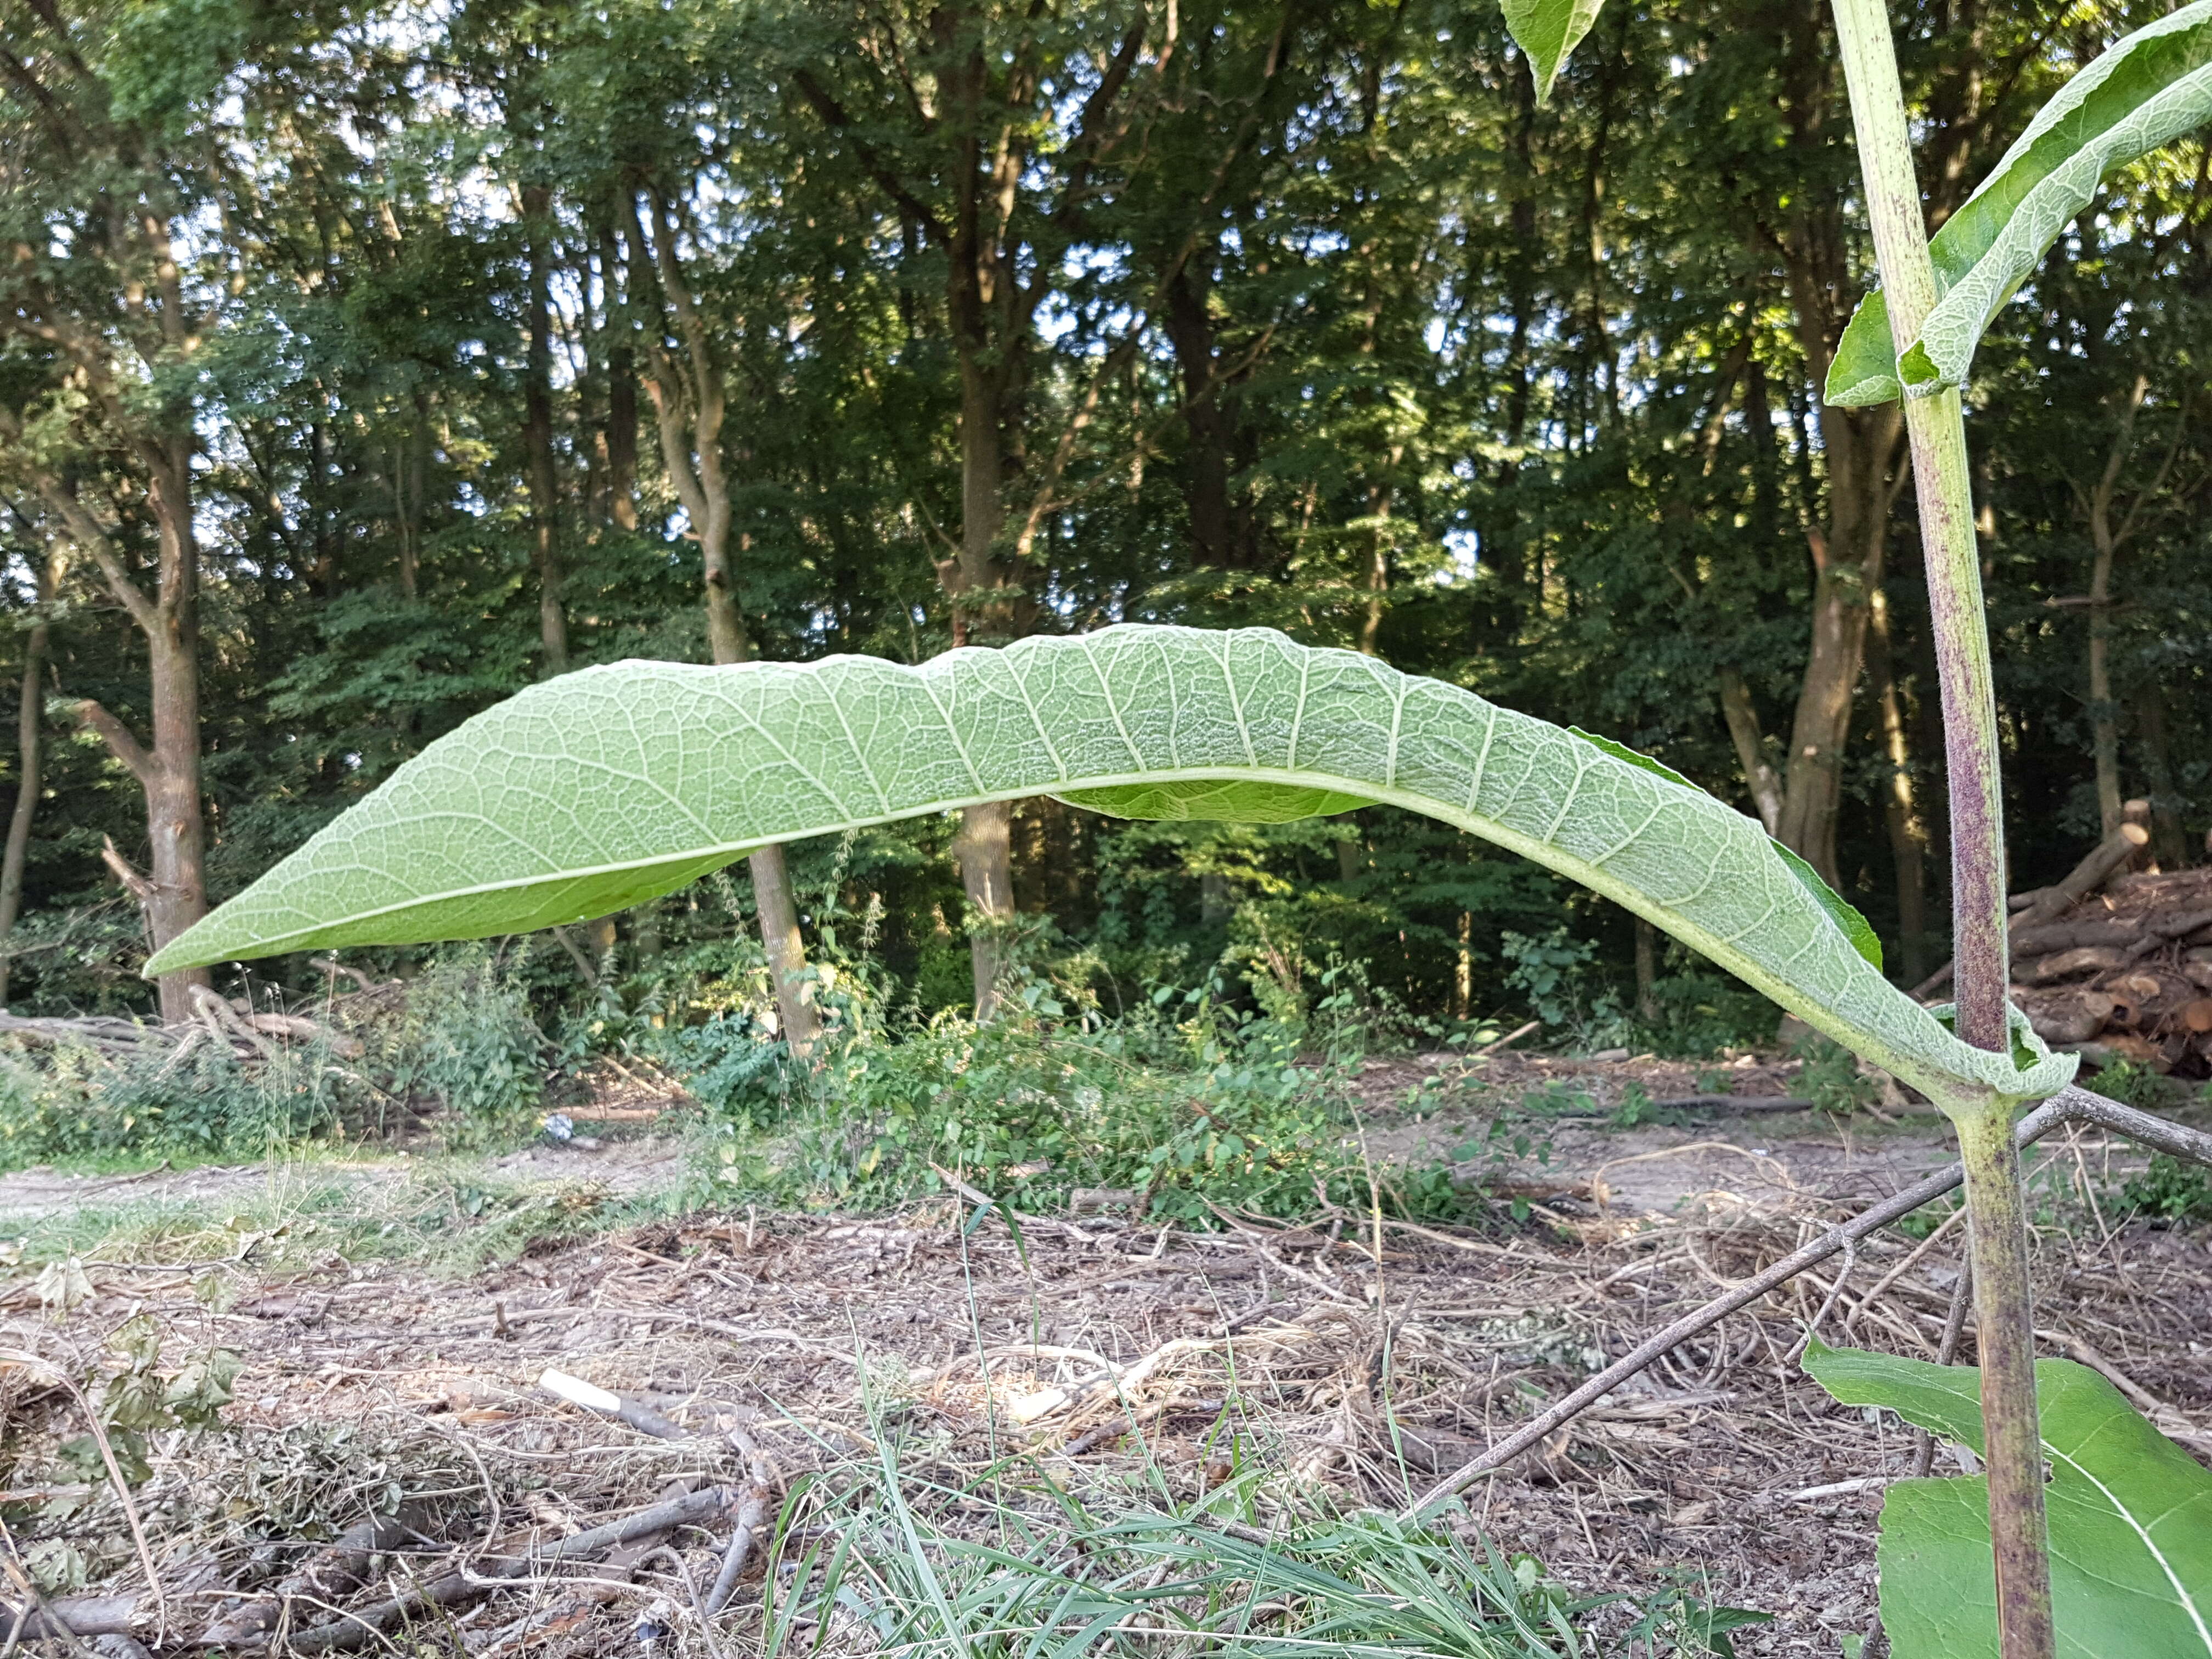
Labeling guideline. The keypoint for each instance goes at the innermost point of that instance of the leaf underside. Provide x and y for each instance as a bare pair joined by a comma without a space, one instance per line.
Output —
1846,915
2147,90
2130,1518
605,788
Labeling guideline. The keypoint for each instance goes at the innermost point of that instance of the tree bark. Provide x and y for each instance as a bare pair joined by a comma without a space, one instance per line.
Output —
174,894
2105,541
1647,972
2169,843
1863,449
538,437
30,754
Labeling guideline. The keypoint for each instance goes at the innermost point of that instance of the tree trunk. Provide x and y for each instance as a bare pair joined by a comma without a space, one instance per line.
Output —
984,851
771,871
29,736
175,831
538,438
174,894
1463,969
1862,448
2169,844
984,847
1847,560
1647,973
1742,717
690,399
2104,544
1900,808
1221,535
2104,712
621,438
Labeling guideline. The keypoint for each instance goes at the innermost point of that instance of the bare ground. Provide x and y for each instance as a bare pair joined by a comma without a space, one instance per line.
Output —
1292,1370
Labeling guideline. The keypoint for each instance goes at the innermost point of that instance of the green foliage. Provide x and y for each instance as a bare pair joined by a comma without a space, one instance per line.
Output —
2147,90
1183,1104
465,1042
1831,1078
2131,1517
457,842
1700,1013
1691,1626
199,1102
2170,1191
458,1045
141,1400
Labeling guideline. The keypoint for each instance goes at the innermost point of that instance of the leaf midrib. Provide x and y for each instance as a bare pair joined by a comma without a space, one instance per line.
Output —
2181,1594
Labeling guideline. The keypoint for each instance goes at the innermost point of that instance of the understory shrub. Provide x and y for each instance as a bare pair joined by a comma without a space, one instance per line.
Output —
1182,1104
455,1047
195,1101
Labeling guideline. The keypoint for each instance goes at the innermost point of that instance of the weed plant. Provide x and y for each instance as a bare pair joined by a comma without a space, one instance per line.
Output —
458,1047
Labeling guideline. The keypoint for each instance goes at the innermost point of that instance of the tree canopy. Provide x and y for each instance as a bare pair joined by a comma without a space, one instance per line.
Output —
361,364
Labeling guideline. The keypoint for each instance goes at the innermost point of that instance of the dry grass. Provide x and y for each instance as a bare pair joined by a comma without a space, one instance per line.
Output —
939,1401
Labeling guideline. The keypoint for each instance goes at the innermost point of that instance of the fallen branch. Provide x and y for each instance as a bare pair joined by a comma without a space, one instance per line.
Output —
1734,1103
2034,1126
591,1397
358,1629
333,1572
754,1509
2070,1103
2144,1128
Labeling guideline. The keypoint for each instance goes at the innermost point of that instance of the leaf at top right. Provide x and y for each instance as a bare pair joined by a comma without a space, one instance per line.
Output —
2148,88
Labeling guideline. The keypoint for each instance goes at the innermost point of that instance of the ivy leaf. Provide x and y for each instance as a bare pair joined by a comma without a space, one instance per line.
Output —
605,788
2148,88
2131,1517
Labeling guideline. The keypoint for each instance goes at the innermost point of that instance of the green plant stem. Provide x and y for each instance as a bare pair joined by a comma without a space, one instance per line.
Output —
1935,430
2004,1335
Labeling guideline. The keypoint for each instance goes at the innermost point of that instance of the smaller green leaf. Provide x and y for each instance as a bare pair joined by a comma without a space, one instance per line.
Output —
1547,30
2147,90
1840,910
1863,371
2131,1517
1846,915
1214,800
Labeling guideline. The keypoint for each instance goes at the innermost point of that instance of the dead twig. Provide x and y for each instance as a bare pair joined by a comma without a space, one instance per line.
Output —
2037,1124
358,1628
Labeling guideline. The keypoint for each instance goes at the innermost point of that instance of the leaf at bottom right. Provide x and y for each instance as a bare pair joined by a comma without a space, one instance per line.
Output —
2130,1518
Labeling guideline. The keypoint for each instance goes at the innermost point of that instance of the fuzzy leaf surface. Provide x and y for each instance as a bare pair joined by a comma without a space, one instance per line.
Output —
2148,89
605,788
2130,1518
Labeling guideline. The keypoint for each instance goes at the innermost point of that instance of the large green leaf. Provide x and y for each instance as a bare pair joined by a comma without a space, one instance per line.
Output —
1547,30
2130,1518
1844,914
604,788
2149,88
